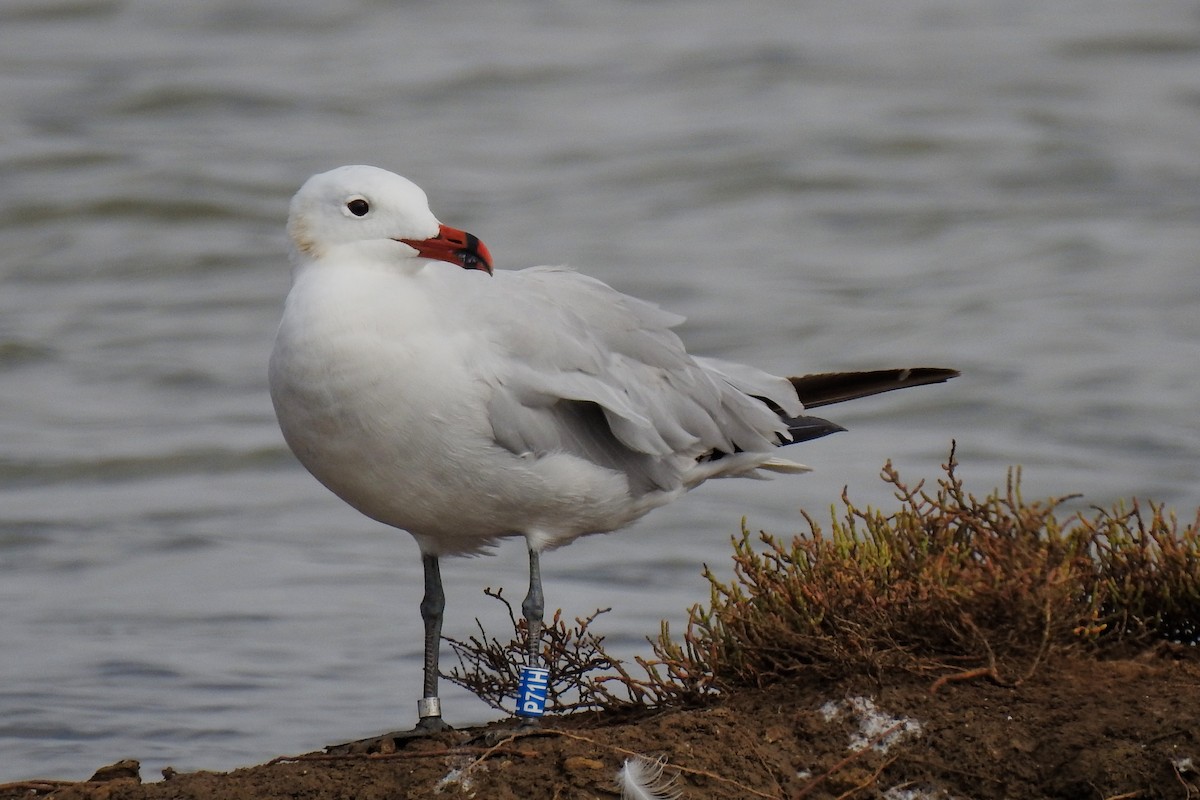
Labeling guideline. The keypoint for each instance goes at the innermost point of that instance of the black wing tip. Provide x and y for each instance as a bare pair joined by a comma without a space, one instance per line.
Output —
805,429
906,374
934,374
836,387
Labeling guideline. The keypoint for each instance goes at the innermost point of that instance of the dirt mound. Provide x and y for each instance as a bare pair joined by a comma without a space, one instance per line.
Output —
1078,728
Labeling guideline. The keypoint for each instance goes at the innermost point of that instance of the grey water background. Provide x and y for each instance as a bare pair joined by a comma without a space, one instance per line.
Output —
1011,188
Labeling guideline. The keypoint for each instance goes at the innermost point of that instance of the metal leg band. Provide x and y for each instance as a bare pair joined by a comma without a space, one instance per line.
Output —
429,707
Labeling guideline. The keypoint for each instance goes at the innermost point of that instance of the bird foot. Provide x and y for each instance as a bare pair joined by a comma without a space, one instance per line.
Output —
391,742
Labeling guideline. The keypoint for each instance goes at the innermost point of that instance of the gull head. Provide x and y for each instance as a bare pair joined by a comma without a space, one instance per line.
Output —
371,209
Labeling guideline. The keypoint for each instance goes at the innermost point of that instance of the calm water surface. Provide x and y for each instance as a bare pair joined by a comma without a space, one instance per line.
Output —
1010,188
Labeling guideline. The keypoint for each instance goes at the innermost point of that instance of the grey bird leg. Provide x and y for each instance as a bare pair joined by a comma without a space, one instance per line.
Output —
429,708
533,608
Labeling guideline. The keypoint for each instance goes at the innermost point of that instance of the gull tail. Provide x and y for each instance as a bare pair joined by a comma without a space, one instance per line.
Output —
641,778
837,387
814,391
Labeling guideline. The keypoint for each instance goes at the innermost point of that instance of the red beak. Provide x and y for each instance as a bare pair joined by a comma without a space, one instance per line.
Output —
455,246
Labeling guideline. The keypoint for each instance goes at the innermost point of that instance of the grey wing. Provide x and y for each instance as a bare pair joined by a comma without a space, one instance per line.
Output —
592,372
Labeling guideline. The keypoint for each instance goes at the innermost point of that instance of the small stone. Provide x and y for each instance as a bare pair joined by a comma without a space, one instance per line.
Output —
581,764
128,768
776,733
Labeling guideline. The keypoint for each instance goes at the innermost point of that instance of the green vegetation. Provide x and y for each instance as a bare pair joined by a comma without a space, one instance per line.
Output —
948,585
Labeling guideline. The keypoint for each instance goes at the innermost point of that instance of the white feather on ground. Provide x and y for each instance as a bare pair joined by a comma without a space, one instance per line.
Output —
641,778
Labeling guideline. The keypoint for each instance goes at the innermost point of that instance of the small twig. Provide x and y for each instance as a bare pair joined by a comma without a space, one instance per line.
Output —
683,770
498,747
817,781
1187,787
874,776
978,672
1160,737
770,772
991,655
990,671
403,754
1045,646
942,766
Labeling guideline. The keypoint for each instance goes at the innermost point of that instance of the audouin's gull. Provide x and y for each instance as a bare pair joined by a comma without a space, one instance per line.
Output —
465,405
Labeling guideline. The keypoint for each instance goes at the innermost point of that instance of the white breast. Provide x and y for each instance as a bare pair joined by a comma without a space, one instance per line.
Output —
383,394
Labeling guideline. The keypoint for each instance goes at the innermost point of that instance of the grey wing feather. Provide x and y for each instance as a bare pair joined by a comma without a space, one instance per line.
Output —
603,376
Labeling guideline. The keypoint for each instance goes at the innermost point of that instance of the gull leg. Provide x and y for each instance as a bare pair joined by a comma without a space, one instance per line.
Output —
429,707
533,608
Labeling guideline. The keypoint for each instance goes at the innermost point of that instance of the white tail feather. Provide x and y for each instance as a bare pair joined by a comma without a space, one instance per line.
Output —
784,465
642,778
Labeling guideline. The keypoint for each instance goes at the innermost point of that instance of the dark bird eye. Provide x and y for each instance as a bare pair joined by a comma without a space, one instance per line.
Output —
358,207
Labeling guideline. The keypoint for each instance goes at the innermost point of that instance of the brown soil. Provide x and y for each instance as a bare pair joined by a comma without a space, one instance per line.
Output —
1078,728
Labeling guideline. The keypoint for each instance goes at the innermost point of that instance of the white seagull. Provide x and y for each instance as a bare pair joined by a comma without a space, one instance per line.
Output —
465,405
